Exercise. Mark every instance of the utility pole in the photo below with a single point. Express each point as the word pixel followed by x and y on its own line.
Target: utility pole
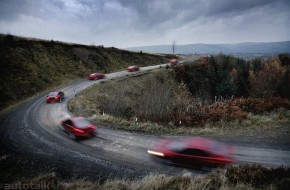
pixel 173 47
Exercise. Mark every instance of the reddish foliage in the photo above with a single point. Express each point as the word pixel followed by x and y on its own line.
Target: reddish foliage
pixel 217 112
pixel 256 106
pixel 229 110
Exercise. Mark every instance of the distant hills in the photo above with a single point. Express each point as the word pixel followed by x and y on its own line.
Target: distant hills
pixel 239 48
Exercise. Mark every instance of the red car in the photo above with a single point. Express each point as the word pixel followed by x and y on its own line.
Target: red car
pixel 174 62
pixel 96 76
pixel 57 96
pixel 77 127
pixel 133 68
pixel 193 151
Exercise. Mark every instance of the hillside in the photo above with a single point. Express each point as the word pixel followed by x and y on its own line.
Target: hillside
pixel 239 48
pixel 29 66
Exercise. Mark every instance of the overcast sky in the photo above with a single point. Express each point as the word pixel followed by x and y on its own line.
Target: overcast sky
pixel 127 23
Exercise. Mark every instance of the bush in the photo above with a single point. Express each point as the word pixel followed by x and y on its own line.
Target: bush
pixel 258 176
pixel 155 101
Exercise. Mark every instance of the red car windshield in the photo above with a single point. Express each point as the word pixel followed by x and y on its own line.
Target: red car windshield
pixel 53 94
pixel 219 148
pixel 177 145
pixel 82 123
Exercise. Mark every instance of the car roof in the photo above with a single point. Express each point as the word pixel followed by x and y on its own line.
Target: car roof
pixel 199 142
pixel 77 118
pixel 194 143
pixel 53 93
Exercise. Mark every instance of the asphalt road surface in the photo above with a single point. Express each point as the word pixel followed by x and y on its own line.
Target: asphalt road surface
pixel 33 128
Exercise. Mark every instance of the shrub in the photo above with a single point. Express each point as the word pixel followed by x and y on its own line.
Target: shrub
pixel 255 175
pixel 258 176
pixel 155 100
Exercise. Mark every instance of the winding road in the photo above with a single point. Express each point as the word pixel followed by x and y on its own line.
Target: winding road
pixel 33 128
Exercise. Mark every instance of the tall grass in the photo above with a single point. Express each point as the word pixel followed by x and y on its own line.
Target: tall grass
pixel 239 177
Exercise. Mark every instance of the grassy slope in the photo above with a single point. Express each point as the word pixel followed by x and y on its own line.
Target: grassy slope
pixel 28 66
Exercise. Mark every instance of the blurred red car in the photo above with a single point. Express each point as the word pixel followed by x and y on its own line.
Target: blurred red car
pixel 133 68
pixel 57 96
pixel 77 127
pixel 193 151
pixel 96 76
pixel 173 61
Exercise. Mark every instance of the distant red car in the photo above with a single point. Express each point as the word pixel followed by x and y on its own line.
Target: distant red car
pixel 133 68
pixel 173 61
pixel 57 96
pixel 193 151
pixel 96 76
pixel 77 127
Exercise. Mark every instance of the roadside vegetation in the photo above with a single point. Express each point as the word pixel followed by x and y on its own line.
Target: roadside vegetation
pixel 220 91
pixel 235 177
pixel 29 66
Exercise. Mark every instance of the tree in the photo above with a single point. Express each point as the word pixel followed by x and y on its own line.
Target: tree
pixel 284 59
pixel 271 79
pixel 257 65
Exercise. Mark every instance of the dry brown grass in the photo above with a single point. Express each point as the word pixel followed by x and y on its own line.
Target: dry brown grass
pixel 235 177
pixel 267 122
